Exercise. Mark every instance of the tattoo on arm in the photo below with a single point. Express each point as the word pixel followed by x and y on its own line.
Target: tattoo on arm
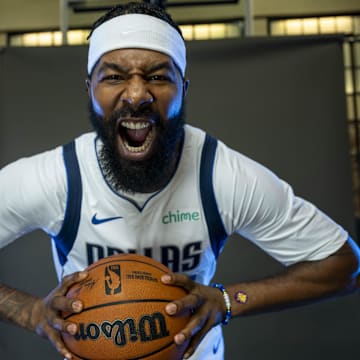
pixel 16 307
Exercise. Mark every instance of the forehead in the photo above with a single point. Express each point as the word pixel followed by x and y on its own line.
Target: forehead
pixel 136 58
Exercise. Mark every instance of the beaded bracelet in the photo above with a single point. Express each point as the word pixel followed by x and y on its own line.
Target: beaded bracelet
pixel 227 302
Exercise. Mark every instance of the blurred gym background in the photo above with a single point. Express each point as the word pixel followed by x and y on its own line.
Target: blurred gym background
pixel 291 70
pixel 67 22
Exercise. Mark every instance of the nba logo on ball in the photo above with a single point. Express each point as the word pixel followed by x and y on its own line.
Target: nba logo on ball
pixel 112 279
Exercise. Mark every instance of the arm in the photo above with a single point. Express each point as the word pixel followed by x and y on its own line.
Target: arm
pixel 42 315
pixel 300 283
pixel 36 200
pixel 255 203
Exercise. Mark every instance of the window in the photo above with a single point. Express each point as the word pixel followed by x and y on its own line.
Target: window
pixel 48 38
pixel 79 37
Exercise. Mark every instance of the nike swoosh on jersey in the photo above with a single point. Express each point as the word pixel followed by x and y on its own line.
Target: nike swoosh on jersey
pixel 96 221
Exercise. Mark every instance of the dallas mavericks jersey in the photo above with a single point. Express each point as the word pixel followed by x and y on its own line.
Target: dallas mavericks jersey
pixel 169 225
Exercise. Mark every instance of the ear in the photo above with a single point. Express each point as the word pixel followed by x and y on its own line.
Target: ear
pixel 186 84
pixel 88 86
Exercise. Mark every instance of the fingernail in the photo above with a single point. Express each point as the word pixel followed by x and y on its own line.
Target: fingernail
pixel 71 329
pixel 76 306
pixel 179 339
pixel 83 274
pixel 166 278
pixel 171 308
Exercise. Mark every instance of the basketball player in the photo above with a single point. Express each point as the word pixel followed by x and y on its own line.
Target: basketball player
pixel 145 182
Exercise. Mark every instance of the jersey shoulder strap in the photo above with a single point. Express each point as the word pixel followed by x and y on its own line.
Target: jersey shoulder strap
pixel 65 239
pixel 217 232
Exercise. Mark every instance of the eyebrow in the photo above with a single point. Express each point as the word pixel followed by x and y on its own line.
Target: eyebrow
pixel 152 68
pixel 109 65
pixel 160 66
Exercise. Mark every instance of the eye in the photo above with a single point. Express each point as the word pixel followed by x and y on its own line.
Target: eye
pixel 113 78
pixel 159 78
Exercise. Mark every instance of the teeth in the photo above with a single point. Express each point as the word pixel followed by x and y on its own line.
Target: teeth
pixel 135 125
pixel 143 147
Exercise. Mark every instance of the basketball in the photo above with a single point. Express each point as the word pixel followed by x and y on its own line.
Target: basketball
pixel 124 312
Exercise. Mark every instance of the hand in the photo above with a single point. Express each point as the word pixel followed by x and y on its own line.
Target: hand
pixel 206 304
pixel 46 314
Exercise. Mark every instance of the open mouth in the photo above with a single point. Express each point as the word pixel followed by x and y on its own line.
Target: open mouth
pixel 136 135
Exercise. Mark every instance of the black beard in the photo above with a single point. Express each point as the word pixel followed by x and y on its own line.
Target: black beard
pixel 139 176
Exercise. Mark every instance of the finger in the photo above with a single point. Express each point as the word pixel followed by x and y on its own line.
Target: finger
pixel 194 333
pixel 70 280
pixel 195 341
pixel 188 303
pixel 76 358
pixel 181 280
pixel 55 338
pixel 57 299
pixel 193 327
pixel 65 304
pixel 62 325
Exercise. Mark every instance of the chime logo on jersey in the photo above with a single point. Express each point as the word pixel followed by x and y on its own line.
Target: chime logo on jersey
pixel 112 280
pixel 178 216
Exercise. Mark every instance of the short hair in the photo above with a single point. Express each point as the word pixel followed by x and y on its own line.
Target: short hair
pixel 144 8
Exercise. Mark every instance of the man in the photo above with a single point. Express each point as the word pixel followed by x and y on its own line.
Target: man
pixel 146 183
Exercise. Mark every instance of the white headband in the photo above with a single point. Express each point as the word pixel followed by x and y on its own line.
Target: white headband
pixel 137 31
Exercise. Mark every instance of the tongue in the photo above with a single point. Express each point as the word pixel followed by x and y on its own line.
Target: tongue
pixel 137 137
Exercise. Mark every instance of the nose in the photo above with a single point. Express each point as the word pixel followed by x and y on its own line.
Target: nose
pixel 136 93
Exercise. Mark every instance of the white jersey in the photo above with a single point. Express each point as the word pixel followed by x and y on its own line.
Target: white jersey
pixel 214 192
